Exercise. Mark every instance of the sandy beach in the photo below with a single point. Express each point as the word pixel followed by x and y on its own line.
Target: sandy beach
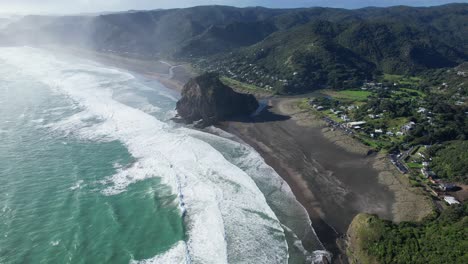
pixel 334 176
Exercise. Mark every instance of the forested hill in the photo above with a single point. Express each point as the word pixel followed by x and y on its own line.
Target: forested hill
pixel 293 50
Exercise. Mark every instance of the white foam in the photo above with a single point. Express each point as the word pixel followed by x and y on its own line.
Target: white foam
pixel 150 109
pixel 175 255
pixel 77 185
pixel 227 216
pixel 38 121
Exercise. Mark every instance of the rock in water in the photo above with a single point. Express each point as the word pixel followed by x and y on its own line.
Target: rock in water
pixel 207 99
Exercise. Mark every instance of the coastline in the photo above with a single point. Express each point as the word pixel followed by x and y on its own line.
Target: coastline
pixel 331 174
pixel 334 176
pixel 411 204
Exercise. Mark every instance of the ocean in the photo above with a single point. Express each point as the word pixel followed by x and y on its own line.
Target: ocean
pixel 93 170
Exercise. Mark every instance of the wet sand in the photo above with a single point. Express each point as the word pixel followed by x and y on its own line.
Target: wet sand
pixel 333 184
pixel 334 176
pixel 330 173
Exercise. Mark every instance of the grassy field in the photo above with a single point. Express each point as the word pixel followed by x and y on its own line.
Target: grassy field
pixel 332 116
pixel 413 165
pixel 403 80
pixel 348 95
pixel 243 86
pixel 421 94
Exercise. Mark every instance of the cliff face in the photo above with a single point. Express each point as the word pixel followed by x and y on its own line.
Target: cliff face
pixel 207 99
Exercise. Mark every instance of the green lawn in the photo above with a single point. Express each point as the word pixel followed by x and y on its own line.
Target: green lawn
pixel 421 94
pixel 332 116
pixel 403 80
pixel 349 95
pixel 413 165
pixel 241 86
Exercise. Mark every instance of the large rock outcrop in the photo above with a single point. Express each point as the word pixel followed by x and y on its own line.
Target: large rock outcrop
pixel 206 99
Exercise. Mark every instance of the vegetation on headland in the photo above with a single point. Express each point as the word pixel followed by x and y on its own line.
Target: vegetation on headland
pixel 441 238
pixel 450 161
pixel 245 87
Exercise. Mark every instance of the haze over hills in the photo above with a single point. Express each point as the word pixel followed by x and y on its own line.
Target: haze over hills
pixel 292 50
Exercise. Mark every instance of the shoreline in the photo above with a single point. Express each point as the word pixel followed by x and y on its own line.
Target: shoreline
pixel 411 204
pixel 358 181
pixel 315 182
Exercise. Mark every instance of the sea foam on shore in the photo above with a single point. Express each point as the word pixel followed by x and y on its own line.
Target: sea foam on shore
pixel 228 218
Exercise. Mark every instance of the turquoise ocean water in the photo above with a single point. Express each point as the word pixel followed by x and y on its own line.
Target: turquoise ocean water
pixel 92 170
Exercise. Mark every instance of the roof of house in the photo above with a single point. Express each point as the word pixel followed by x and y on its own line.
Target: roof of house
pixel 451 200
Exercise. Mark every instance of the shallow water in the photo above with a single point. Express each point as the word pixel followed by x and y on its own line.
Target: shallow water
pixel 92 170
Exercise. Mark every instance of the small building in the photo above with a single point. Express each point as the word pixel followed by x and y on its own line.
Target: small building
pixel 353 124
pixel 345 118
pixel 447 187
pixel 407 127
pixel 390 133
pixel 399 133
pixel 425 164
pixel 434 180
pixel 428 173
pixel 451 200
pixel 378 131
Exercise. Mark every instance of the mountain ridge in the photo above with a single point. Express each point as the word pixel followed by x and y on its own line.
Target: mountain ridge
pixel 349 45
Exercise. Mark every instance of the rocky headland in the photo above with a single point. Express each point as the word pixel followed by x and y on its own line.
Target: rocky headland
pixel 206 100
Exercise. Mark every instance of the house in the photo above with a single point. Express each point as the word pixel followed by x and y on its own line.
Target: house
pixel 447 186
pixel 433 180
pixel 428 173
pixel 345 118
pixel 379 131
pixel 353 124
pixel 451 200
pixel 407 127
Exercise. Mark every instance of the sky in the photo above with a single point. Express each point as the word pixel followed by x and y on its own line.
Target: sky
pixel 91 6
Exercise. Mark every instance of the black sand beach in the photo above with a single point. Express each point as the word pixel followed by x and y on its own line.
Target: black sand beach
pixel 331 174
pixel 333 185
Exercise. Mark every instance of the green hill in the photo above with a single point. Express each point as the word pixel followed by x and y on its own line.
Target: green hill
pixel 291 50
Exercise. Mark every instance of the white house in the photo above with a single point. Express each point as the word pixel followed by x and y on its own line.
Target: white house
pixel 451 200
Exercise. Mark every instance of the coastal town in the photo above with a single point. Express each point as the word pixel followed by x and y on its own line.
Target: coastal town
pixel 359 114
pixel 393 114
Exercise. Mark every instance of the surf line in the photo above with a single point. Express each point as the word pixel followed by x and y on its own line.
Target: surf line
pixel 182 208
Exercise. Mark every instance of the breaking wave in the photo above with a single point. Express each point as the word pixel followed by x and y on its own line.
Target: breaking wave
pixel 216 180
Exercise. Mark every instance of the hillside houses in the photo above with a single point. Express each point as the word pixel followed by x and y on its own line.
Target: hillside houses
pixel 407 127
